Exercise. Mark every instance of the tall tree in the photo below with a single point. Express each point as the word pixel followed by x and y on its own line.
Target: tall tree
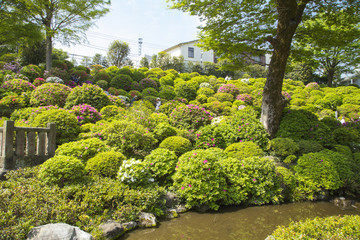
pixel 144 62
pixel 234 28
pixel 100 60
pixel 118 53
pixel 65 20
pixel 331 42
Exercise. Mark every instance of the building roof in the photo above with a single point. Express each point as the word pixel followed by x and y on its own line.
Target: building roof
pixel 179 45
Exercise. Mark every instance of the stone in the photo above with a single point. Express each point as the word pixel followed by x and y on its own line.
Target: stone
pixel 130 225
pixel 171 200
pixel 181 208
pixel 58 231
pixel 171 213
pixel 147 220
pixel 112 230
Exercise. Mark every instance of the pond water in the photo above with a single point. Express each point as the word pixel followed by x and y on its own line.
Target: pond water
pixel 237 223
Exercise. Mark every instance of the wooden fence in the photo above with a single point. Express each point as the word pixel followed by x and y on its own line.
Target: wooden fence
pixel 25 146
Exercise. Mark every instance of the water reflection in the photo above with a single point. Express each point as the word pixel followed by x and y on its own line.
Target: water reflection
pixel 237 223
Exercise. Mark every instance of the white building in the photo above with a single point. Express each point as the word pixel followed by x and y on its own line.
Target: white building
pixel 191 52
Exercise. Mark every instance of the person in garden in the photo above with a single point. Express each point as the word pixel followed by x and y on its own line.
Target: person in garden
pixel 158 104
pixel 133 100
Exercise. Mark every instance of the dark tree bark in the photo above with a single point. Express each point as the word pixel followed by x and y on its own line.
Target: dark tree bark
pixel 289 17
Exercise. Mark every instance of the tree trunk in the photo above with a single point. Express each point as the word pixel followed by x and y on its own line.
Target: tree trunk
pixel 48 51
pixel 330 77
pixel 289 17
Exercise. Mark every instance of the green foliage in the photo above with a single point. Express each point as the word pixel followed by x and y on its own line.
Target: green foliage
pixel 283 147
pixel 308 146
pixel 67 126
pixel 169 106
pixel 121 81
pixel 205 185
pixel 109 112
pixel 147 83
pixel 190 117
pixel 61 170
pixel 102 75
pixel 163 130
pixel 229 88
pixel 167 80
pixel 150 92
pixel 205 91
pixel 167 92
pixel 50 94
pixel 17 86
pixel 12 102
pixel 85 114
pixel 31 71
pixel 130 138
pixel 252 180
pixel 346 136
pixel 243 150
pixel 82 149
pixel 349 110
pixel 222 97
pixel 334 227
pixel 118 52
pixel 87 94
pixel 134 173
pixel 179 145
pixel 161 163
pixel 185 90
pixel 105 164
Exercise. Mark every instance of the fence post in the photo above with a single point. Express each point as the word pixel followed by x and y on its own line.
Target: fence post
pixel 8 145
pixel 51 139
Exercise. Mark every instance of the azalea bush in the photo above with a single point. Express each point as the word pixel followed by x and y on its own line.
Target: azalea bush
pixel 190 117
pixel 134 173
pixel 86 114
pixel 31 71
pixel 178 144
pixel 50 94
pixel 244 150
pixel 17 86
pixel 105 164
pixel 229 88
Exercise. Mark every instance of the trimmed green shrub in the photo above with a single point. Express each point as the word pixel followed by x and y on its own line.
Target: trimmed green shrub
pixel 61 170
pixel 109 112
pixel 121 81
pixel 177 144
pixel 87 94
pixel 82 149
pixel 67 127
pixel 10 103
pixel 163 130
pixel 169 106
pixel 102 75
pixel 17 86
pixel 161 163
pixel 167 92
pixel 205 185
pixel 167 80
pixel 252 180
pixel 130 138
pixel 346 136
pixel 222 97
pixel 185 90
pixel 208 92
pixel 308 146
pixel 105 164
pixel 283 147
pixel 134 173
pixel 244 150
pixel 147 83
pixel 50 94
pixel 85 114
pixel 334 227
pixel 31 71
pixel 229 88
pixel 189 117
pixel 102 83
pixel 150 92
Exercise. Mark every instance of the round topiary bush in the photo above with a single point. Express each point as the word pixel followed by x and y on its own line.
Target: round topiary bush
pixel 102 83
pixel 167 80
pixel 85 114
pixel 105 164
pixel 87 94
pixel 61 170
pixel 244 150
pixel 177 144
pixel 222 97
pixel 190 117
pixel 161 163
pixel 150 92
pixel 147 83
pixel 185 90
pixel 11 102
pixel 67 127
pixel 134 173
pixel 102 75
pixel 132 139
pixel 334 227
pixel 169 106
pixel 283 147
pixel 17 86
pixel 50 94
pixel 308 146
pixel 246 98
pixel 121 81
pixel 167 92
pixel 109 112
pixel 31 71
pixel 205 91
pixel 83 149
pixel 206 185
pixel 229 88
pixel 163 130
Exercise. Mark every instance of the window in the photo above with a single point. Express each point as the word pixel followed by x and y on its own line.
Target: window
pixel 190 52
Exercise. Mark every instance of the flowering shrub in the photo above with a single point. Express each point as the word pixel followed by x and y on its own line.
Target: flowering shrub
pixel 130 138
pixel 17 86
pixel 205 185
pixel 121 81
pixel 150 92
pixel 286 95
pixel 105 164
pixel 313 86
pixel 134 173
pixel 167 80
pixel 10 103
pixel 71 84
pixel 56 72
pixel 229 88
pixel 222 97
pixel 189 117
pixel 67 126
pixel 87 94
pixel 246 98
pixel 179 145
pixel 205 85
pixel 61 170
pixel 54 80
pixel 244 150
pixel 334 227
pixel 169 106
pixel 31 71
pixel 82 149
pixel 12 66
pixel 252 180
pixel 161 163
pixel 85 114
pixel 39 81
pixel 218 108
pixel 147 83
pixel 50 94
pixel 102 75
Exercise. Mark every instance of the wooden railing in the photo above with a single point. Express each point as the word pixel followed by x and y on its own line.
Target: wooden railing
pixel 25 146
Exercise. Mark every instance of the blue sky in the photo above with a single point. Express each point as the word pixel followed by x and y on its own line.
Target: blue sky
pixel 159 26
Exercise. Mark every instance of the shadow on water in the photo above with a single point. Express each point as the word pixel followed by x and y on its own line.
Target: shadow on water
pixel 231 223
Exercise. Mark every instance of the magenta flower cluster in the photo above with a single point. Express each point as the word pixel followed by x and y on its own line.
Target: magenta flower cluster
pixel 245 98
pixel 86 114
pixel 286 95
pixel 18 86
pixel 313 85
pixel 229 88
